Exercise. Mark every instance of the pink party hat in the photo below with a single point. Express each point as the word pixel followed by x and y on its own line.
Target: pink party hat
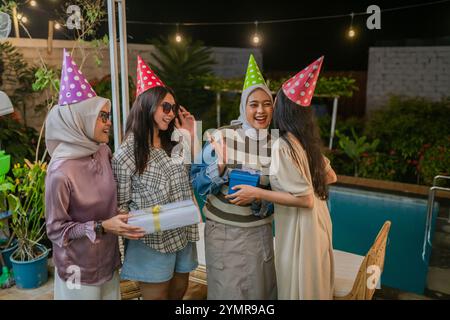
pixel 73 87
pixel 300 88
pixel 146 78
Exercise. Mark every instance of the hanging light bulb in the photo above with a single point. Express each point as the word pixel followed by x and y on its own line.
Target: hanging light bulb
pixel 351 32
pixel 24 19
pixel 57 26
pixel 19 16
pixel 33 3
pixel 178 37
pixel 256 39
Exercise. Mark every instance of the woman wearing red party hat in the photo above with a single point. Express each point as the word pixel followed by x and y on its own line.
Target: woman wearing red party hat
pixel 147 176
pixel 299 177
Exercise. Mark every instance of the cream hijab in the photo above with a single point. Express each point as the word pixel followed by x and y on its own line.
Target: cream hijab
pixel 70 129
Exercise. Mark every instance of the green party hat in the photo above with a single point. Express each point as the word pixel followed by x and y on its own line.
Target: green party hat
pixel 253 76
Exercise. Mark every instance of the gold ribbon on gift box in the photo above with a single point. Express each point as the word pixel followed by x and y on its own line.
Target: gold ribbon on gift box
pixel 156 219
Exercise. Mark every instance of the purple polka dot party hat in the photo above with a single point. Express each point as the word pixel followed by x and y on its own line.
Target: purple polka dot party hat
pixel 74 87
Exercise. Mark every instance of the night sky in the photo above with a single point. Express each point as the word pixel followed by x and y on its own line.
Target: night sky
pixel 285 46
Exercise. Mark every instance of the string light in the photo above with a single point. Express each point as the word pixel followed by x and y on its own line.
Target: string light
pixel 351 31
pixel 313 18
pixel 19 16
pixel 24 19
pixel 178 37
pixel 57 26
pixel 33 3
pixel 256 39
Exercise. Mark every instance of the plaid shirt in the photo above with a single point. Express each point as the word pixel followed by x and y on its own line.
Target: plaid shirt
pixel 164 180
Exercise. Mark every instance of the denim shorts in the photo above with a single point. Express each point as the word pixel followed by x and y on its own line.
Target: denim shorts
pixel 145 264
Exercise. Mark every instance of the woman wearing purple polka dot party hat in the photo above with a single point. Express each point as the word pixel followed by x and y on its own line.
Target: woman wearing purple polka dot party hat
pixel 81 208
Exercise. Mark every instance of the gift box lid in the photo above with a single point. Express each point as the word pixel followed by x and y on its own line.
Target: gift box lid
pixel 238 176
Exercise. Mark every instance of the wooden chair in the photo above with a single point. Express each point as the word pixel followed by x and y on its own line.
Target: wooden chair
pixel 352 272
pixel 197 288
pixel 129 290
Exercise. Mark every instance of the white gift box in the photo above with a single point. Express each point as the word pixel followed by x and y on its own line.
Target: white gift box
pixel 170 216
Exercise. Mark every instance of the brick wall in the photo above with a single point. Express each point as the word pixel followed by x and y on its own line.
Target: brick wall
pixel 409 71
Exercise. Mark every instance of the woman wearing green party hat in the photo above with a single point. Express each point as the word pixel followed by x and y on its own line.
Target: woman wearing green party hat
pixel 238 232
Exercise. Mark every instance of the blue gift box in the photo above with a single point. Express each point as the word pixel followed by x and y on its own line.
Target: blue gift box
pixel 238 176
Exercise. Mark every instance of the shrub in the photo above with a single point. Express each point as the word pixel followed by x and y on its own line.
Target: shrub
pixel 17 140
pixel 343 126
pixel 355 148
pixel 405 125
pixel 381 166
pixel 435 161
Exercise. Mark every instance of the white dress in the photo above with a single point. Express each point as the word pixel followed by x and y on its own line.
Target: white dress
pixel 303 237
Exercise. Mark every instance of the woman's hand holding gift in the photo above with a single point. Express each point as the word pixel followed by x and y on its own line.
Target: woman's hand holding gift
pixel 118 226
pixel 245 195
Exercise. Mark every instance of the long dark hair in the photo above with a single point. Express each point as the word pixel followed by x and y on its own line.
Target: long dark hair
pixel 140 122
pixel 289 117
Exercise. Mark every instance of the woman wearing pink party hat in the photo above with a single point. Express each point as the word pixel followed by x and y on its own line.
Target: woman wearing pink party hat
pixel 80 193
pixel 146 176
pixel 299 176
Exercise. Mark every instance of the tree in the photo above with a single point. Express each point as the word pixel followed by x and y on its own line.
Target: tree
pixel 184 66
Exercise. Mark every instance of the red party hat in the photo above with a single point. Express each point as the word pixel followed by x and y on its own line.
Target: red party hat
pixel 146 78
pixel 300 88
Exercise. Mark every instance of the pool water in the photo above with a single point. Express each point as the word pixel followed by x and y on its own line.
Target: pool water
pixel 357 217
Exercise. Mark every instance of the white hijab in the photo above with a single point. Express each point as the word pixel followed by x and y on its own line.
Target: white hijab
pixel 70 129
pixel 248 129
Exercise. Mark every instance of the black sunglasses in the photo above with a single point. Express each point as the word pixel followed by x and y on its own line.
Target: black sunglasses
pixel 167 107
pixel 105 116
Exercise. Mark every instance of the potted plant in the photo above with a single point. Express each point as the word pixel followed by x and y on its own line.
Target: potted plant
pixel 7 245
pixel 27 205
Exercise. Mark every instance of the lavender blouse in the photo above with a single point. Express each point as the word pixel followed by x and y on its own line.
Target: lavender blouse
pixel 78 193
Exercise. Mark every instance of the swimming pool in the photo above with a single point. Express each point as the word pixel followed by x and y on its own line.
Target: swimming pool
pixel 358 215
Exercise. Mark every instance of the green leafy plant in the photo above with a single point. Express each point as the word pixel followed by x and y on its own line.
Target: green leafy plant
pixel 406 125
pixel 28 207
pixel 92 12
pixel 340 162
pixel 344 126
pixel 103 87
pixel 355 148
pixel 6 186
pixel 17 140
pixel 45 78
pixel 435 161
pixel 17 77
pixel 381 166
